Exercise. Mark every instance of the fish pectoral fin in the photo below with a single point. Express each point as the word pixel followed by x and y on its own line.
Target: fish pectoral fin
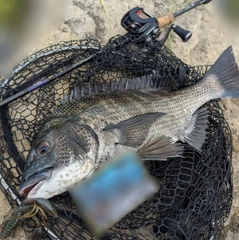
pixel 160 148
pixel 133 131
pixel 198 134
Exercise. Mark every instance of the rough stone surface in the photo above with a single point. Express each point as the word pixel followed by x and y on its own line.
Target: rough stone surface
pixel 87 18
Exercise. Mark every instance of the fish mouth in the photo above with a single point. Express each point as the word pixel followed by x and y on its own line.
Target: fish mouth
pixel 34 182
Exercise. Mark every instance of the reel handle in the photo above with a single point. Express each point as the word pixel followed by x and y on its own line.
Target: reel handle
pixel 184 34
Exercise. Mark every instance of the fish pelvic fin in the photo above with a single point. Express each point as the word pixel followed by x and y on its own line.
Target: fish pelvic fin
pixel 160 148
pixel 226 72
pixel 197 133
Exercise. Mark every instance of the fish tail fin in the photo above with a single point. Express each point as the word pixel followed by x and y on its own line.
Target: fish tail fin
pixel 225 69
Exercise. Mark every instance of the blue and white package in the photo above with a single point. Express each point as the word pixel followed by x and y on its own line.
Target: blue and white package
pixel 114 190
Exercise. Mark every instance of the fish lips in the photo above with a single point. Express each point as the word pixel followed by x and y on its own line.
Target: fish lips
pixel 34 182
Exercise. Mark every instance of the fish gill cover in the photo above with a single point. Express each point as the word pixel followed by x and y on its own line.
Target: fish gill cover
pixel 195 193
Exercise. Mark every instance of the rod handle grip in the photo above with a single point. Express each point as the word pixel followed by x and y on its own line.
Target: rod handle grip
pixel 165 20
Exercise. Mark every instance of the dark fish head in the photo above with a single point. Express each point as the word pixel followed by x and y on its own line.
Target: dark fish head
pixel 63 153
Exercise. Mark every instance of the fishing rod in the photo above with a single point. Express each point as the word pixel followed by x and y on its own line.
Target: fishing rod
pixel 45 81
pixel 196 4
pixel 136 21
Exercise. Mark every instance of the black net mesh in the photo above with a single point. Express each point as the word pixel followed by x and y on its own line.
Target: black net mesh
pixel 195 193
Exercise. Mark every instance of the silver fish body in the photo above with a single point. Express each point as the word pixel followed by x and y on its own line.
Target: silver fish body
pixel 84 133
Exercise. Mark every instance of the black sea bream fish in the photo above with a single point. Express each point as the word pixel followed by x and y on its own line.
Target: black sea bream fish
pixel 84 133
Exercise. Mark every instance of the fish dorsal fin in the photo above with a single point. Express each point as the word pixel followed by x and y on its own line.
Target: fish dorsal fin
pixel 143 82
pixel 160 148
pixel 137 83
pixel 132 132
pixel 197 135
pixel 166 82
pixel 149 82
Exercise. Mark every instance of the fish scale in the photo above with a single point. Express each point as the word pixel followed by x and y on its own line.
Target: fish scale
pixel 87 131
pixel 119 106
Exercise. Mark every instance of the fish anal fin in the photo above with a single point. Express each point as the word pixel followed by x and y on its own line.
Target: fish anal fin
pixel 133 131
pixel 160 148
pixel 197 129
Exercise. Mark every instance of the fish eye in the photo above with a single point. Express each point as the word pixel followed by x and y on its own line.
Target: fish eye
pixel 43 148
